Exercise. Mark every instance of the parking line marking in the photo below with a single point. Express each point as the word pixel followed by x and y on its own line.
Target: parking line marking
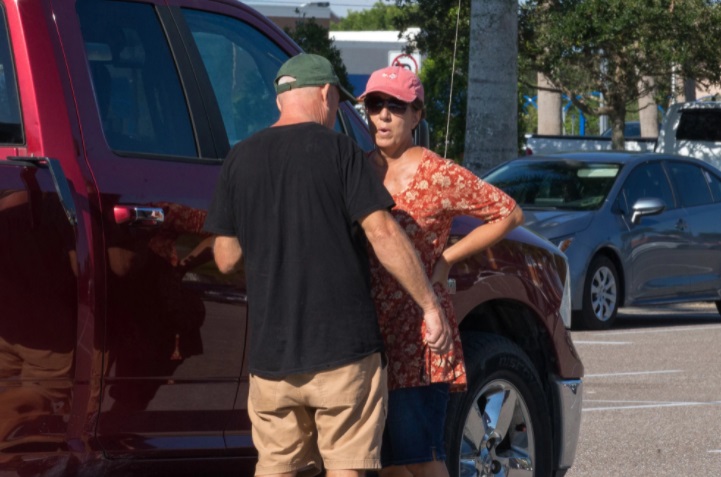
pixel 652 406
pixel 715 451
pixel 627 400
pixel 634 373
pixel 602 342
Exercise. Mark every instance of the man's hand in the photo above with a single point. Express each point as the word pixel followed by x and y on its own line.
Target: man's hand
pixel 439 336
pixel 397 254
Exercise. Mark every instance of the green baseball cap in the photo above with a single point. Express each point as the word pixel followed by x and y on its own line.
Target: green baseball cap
pixel 309 70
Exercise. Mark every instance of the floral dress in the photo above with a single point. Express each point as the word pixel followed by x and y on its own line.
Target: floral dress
pixel 439 191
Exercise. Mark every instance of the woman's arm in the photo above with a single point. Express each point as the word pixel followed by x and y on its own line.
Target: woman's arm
pixel 479 239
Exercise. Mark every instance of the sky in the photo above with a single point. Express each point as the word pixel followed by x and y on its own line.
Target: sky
pixel 339 7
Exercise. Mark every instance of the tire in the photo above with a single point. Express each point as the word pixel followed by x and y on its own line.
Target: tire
pixel 502 422
pixel 718 306
pixel 600 295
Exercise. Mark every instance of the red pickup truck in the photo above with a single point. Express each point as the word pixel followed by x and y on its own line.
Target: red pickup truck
pixel 121 345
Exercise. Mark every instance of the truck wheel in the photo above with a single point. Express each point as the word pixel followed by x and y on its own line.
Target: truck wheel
pixel 501 425
pixel 600 295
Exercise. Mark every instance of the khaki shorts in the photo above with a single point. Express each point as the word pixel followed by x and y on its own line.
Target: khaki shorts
pixel 332 419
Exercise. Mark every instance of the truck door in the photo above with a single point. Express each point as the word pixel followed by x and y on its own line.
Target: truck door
pixel 38 294
pixel 240 58
pixel 175 327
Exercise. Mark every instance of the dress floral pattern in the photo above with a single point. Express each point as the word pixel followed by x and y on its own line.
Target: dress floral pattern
pixel 439 191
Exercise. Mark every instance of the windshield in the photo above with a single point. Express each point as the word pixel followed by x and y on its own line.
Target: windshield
pixel 572 185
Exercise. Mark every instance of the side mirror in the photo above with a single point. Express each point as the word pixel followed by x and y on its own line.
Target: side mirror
pixel 421 134
pixel 646 206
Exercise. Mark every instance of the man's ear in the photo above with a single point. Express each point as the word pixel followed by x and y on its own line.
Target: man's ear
pixel 325 91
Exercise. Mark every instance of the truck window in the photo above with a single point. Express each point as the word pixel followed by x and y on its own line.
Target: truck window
pixel 241 63
pixel 10 124
pixel 357 130
pixel 699 125
pixel 139 96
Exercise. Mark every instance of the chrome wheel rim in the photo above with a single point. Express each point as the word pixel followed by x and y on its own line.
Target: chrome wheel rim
pixel 603 294
pixel 498 434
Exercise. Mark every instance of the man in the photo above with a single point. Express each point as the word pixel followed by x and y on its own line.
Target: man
pixel 293 202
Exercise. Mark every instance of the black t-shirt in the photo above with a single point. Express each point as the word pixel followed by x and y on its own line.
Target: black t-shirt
pixel 293 196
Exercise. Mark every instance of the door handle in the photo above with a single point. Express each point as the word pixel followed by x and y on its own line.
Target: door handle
pixel 132 214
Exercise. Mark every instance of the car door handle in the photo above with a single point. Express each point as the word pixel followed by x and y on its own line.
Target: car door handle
pixel 132 214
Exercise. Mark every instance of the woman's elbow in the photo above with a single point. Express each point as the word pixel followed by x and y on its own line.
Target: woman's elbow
pixel 517 217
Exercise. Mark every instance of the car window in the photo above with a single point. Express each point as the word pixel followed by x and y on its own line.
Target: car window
pixel 690 184
pixel 241 63
pixel 140 100
pixel 10 123
pixel 714 183
pixel 647 181
pixel 567 184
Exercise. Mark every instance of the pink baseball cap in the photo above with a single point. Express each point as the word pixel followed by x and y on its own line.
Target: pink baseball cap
pixel 395 81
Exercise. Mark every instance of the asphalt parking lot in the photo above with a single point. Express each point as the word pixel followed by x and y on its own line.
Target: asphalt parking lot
pixel 652 394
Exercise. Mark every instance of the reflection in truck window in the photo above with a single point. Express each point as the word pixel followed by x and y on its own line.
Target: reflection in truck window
pixel 140 101
pixel 10 123
pixel 241 63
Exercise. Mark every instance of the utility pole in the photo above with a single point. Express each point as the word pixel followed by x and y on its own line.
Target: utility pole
pixel 492 110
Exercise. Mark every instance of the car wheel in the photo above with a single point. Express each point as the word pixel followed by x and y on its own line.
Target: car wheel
pixel 501 425
pixel 600 295
pixel 718 306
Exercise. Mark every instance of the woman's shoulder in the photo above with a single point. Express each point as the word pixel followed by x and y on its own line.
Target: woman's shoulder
pixel 437 163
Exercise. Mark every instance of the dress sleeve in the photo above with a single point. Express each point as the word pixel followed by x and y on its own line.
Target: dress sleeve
pixel 468 194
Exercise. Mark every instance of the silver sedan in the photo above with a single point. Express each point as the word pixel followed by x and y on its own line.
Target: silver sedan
pixel 637 228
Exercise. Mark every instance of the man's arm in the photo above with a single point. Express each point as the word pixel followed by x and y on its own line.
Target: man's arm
pixel 397 254
pixel 227 253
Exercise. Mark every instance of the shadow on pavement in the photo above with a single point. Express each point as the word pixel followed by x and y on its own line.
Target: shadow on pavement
pixel 683 314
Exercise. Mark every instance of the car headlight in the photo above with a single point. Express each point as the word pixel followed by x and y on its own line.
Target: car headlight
pixel 566 300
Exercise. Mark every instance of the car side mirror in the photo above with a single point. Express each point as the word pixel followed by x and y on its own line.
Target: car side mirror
pixel 646 206
pixel 421 134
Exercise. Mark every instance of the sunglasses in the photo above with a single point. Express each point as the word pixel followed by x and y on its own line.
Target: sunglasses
pixel 375 104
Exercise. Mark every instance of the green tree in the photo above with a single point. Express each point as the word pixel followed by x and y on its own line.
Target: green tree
pixel 313 38
pixel 437 41
pixel 610 46
pixel 381 16
pixel 437 21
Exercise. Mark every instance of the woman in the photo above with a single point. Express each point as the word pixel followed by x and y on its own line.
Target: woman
pixel 429 192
